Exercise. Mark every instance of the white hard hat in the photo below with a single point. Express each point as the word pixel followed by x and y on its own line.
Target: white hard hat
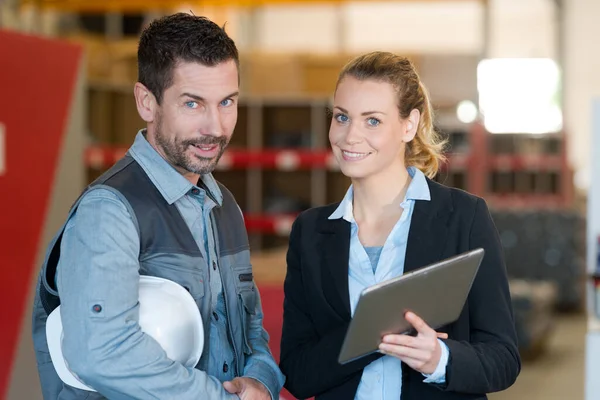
pixel 168 313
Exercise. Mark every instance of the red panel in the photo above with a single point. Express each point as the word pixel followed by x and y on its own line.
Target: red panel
pixel 37 78
pixel 279 224
pixel 102 157
pixel 272 303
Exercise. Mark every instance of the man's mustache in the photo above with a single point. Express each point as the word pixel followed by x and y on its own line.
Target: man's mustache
pixel 220 140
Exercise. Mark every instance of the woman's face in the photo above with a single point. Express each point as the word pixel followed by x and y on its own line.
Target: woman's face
pixel 367 134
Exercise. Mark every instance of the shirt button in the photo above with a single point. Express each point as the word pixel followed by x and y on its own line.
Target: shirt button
pixel 97 308
pixel 225 367
pixel 195 191
pixel 214 265
pixel 216 316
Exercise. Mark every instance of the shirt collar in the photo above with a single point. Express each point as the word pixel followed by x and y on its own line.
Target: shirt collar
pixel 418 189
pixel 169 182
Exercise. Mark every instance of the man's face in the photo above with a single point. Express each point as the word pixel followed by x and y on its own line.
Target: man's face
pixel 196 118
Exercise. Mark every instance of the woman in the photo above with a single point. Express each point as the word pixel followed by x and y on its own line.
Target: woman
pixel 393 219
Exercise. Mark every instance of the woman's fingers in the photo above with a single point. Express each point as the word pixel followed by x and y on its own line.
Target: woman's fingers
pixel 420 325
pixel 401 352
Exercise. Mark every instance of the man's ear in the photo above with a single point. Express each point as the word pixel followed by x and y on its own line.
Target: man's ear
pixel 411 126
pixel 145 102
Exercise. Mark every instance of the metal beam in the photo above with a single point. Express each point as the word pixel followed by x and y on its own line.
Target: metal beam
pixel 145 5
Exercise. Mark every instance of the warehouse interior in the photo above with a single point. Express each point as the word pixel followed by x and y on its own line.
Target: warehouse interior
pixel 513 85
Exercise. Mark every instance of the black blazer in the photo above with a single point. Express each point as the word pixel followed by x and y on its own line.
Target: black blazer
pixel 483 346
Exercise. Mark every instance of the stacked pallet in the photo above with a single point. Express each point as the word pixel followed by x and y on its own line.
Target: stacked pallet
pixel 546 246
pixel 533 305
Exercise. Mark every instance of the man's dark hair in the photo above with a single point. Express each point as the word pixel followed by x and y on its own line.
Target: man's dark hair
pixel 176 38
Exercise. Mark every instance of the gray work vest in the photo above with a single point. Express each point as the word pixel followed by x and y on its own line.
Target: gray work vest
pixel 167 250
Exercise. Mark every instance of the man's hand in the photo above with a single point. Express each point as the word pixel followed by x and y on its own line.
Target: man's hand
pixel 422 352
pixel 247 388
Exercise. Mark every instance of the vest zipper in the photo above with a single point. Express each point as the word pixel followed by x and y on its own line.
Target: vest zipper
pixel 229 329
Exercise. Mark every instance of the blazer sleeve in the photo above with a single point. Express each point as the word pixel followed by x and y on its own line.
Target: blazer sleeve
pixel 490 361
pixel 309 359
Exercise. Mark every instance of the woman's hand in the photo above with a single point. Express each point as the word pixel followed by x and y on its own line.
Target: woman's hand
pixel 422 352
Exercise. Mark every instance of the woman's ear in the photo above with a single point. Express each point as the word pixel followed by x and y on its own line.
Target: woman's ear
pixel 145 102
pixel 411 124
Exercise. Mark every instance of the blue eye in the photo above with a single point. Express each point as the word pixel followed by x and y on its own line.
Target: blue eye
pixel 342 118
pixel 373 121
pixel 191 104
pixel 226 102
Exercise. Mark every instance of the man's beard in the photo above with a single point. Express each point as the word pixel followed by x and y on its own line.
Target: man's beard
pixel 176 152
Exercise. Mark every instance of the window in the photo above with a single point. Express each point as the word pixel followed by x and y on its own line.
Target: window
pixel 519 95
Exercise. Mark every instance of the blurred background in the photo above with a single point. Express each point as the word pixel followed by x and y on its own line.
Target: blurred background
pixel 513 84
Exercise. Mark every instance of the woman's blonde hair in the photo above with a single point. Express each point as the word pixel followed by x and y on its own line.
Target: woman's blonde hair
pixel 425 151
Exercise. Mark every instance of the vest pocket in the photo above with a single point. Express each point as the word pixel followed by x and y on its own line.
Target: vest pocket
pixel 246 292
pixel 247 301
pixel 248 298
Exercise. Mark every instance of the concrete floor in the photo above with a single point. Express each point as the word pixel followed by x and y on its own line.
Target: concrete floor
pixel 558 374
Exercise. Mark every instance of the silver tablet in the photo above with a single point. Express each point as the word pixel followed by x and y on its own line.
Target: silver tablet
pixel 436 293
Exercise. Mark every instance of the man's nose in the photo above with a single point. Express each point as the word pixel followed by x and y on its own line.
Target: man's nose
pixel 212 125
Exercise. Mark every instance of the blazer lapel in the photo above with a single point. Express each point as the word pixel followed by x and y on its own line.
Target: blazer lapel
pixel 426 242
pixel 428 229
pixel 334 257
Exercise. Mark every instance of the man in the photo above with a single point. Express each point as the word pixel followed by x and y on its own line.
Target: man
pixel 160 212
